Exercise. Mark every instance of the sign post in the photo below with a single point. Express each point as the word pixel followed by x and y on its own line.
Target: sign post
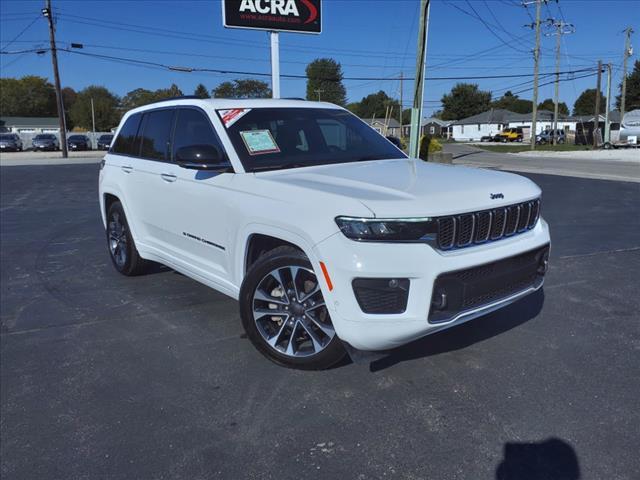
pixel 275 64
pixel 274 16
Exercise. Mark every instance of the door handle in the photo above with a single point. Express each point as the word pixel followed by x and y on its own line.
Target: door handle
pixel 168 177
pixel 127 168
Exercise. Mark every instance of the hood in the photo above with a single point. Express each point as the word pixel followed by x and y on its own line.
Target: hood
pixel 410 188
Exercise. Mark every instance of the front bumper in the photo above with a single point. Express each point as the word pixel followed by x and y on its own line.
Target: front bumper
pixel 347 259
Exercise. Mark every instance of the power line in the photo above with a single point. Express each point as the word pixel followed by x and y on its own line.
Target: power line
pixel 250 73
pixel 486 24
pixel 22 31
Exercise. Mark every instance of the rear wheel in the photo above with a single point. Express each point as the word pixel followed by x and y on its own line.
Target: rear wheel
pixel 284 313
pixel 122 249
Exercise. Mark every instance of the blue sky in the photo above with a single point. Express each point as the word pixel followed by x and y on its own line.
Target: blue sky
pixel 374 38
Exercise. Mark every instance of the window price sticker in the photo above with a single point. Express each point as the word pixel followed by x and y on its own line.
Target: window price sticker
pixel 259 142
pixel 231 116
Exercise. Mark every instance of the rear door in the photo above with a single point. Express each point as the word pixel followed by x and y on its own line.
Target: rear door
pixel 152 179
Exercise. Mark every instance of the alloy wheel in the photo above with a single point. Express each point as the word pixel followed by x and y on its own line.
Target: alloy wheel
pixel 290 313
pixel 118 239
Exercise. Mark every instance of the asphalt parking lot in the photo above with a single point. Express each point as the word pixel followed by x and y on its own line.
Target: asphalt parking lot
pixel 104 376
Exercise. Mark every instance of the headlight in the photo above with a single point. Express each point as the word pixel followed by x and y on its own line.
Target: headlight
pixel 388 230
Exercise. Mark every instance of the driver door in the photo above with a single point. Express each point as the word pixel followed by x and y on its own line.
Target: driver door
pixel 200 206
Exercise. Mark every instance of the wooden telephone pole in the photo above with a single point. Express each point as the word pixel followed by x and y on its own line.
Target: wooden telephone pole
pixel 596 119
pixel 56 76
pixel 627 54
pixel 418 93
pixel 536 62
pixel 562 28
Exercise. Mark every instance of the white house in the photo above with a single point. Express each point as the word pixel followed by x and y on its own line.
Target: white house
pixel 489 123
pixel 391 127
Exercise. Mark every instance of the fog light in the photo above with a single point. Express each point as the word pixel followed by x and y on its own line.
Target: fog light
pixel 544 263
pixel 439 300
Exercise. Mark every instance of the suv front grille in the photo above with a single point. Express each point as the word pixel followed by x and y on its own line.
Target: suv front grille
pixel 459 231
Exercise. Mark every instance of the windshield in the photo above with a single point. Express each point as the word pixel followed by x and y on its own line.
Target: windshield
pixel 77 138
pixel 277 138
pixel 106 138
pixel 44 137
pixel 7 137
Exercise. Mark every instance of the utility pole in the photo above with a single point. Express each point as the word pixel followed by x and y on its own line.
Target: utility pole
pixel 607 107
pixel 47 12
pixel 418 92
pixel 562 28
pixel 536 61
pixel 628 51
pixel 275 64
pixel 318 92
pixel 596 119
pixel 401 107
pixel 93 116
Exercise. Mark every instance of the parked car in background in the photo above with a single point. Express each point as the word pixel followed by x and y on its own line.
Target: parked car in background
pixel 79 142
pixel 547 136
pixel 45 141
pixel 509 135
pixel 10 141
pixel 629 131
pixel 104 142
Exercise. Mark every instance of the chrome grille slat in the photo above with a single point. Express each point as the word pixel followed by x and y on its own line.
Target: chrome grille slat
pixel 463 230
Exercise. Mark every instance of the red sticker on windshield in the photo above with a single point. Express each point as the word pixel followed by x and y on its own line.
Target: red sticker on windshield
pixel 231 116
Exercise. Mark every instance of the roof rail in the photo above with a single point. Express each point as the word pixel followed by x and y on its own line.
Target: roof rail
pixel 182 97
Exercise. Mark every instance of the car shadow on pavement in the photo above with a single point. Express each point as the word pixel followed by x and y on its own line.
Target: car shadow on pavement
pixel 466 334
pixel 551 459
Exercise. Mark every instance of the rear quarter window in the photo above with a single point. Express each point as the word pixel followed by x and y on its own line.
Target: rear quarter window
pixel 156 134
pixel 126 140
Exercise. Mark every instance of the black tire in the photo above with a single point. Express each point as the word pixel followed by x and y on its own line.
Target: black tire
pixel 283 257
pixel 126 258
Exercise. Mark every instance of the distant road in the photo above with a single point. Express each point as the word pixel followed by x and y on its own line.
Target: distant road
pixel 628 171
pixel 14 159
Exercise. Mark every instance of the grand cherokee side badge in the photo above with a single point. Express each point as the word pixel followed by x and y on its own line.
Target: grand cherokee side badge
pixel 495 196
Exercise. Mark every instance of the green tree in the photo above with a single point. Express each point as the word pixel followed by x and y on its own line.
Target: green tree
pixel 105 105
pixel 29 96
pixel 513 103
pixel 548 104
pixel 375 105
pixel 68 99
pixel 247 88
pixel 632 97
pixel 406 116
pixel 324 75
pixel 137 98
pixel 586 103
pixel 142 96
pixel 465 100
pixel 171 92
pixel 201 91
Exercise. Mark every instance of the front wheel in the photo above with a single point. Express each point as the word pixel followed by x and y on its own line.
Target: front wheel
pixel 284 313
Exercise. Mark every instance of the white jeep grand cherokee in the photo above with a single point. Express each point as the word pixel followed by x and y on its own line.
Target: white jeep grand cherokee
pixel 323 230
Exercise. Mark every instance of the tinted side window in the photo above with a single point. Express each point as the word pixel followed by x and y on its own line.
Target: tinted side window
pixel 193 128
pixel 156 135
pixel 125 141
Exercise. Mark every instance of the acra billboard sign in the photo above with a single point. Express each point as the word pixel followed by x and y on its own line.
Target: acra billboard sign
pixel 300 16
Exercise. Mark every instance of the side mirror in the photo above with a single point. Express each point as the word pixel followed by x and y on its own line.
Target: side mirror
pixel 202 157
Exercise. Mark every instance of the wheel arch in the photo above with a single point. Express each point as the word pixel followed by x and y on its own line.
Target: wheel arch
pixel 259 239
